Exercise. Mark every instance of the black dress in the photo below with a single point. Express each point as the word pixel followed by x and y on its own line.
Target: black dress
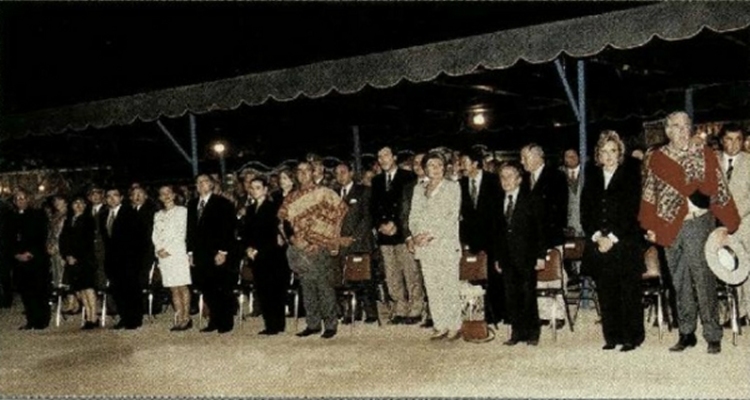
pixel 77 241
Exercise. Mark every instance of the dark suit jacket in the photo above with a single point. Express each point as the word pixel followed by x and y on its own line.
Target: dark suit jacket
pixel 519 244
pixel 214 231
pixel 27 232
pixel 612 210
pixel 120 261
pixel 477 224
pixel 145 227
pixel 357 222
pixel 389 205
pixel 77 240
pixel 552 190
pixel 260 228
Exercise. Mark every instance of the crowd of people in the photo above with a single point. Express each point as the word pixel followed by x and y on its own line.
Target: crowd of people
pixel 414 219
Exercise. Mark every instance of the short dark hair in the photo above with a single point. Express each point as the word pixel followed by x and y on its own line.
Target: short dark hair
pixel 731 127
pixel 260 178
pixel 511 164
pixel 475 155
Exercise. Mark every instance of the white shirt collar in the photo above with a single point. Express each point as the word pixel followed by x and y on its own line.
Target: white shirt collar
pixel 478 178
pixel 537 173
pixel 574 170
pixel 348 187
pixel 608 176
pixel 115 210
pixel 513 194
pixel 206 197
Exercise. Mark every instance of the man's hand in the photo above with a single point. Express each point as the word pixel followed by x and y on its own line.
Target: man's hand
pixel 162 253
pixel 723 236
pixel 71 260
pixel 497 268
pixel 190 259
pixel 540 264
pixel 24 257
pixel 220 258
pixel 605 244
pixel 651 236
pixel 346 241
pixel 251 253
pixel 410 245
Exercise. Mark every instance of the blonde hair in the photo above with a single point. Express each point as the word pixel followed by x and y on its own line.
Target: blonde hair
pixel 610 136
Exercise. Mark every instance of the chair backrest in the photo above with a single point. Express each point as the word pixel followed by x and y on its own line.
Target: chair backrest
pixel 552 268
pixel 653 266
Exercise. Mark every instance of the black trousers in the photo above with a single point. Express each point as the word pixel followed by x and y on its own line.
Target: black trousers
pixel 127 294
pixel 6 282
pixel 217 285
pixel 33 283
pixel 521 303
pixel 495 309
pixel 618 285
pixel 271 284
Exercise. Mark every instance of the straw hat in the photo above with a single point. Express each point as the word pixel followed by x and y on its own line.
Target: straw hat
pixel 730 263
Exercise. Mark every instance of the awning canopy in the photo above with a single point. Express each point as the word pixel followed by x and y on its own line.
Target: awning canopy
pixel 580 37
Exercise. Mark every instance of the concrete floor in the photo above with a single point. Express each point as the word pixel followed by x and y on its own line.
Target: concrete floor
pixel 372 361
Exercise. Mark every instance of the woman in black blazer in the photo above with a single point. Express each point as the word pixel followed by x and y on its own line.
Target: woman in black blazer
pixel 613 255
pixel 77 249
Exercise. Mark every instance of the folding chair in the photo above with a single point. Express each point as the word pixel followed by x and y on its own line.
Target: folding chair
pixel 356 270
pixel 553 272
pixel 654 290
pixel 727 295
pixel 293 291
pixel 584 289
pixel 244 289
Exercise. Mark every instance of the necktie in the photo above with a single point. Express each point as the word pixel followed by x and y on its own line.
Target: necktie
pixel 110 222
pixel 509 208
pixel 201 206
pixel 343 193
pixel 473 192
pixel 730 169
pixel 387 181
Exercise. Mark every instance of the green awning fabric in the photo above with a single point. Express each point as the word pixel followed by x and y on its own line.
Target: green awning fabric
pixel 580 37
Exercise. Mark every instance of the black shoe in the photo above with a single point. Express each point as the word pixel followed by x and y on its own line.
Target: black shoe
pixel 371 320
pixel 119 325
pixel 268 332
pixel 609 346
pixel 532 342
pixel 308 332
pixel 210 328
pixel 329 333
pixel 225 329
pixel 397 320
pixel 132 327
pixel 511 342
pixel 544 322
pixel 90 325
pixel 346 321
pixel 714 347
pixel 627 347
pixel 26 327
pixel 428 323
pixel 411 320
pixel 559 324
pixel 684 342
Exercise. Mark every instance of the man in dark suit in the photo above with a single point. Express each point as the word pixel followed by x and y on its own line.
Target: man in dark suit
pixel 6 275
pixel 549 186
pixel 144 246
pixel 521 251
pixel 357 237
pixel 26 243
pixel 402 275
pixel 210 239
pixel 480 199
pixel 260 244
pixel 121 264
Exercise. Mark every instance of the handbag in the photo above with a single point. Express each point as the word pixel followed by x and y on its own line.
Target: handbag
pixel 473 331
pixel 473 267
pixel 573 248
pixel 357 267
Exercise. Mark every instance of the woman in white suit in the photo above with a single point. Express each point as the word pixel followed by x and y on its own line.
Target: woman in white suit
pixel 433 221
pixel 170 230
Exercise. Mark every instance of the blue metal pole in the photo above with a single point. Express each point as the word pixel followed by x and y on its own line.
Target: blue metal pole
pixel 582 132
pixel 689 109
pixel 357 151
pixel 568 90
pixel 194 145
pixel 174 141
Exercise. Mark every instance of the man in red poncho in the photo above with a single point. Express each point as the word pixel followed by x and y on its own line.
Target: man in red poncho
pixel 684 191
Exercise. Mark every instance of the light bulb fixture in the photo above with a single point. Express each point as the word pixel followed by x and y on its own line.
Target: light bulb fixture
pixel 478 119
pixel 219 148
